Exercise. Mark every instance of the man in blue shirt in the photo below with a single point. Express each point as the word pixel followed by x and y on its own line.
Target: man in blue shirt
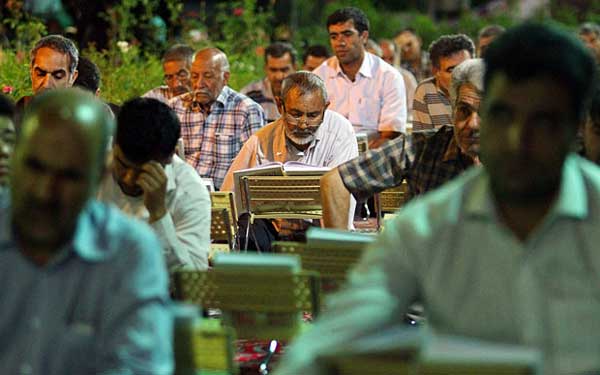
pixel 84 288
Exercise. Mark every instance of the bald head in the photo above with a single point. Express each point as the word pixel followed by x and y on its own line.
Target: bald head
pixel 210 73
pixel 57 166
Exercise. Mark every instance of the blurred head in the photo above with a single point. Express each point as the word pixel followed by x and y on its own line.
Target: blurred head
pixel 88 77
pixel 176 63
pixel 589 34
pixel 147 130
pixel 348 33
pixel 446 53
pixel 54 61
pixel 302 105
pixel 465 94
pixel 8 137
pixel 388 51
pixel 57 165
pixel 373 47
pixel 210 73
pixel 314 56
pixel 280 62
pixel 486 36
pixel 409 45
pixel 533 105
pixel 591 130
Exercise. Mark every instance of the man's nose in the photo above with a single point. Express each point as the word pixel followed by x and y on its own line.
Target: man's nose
pixel 474 121
pixel 45 187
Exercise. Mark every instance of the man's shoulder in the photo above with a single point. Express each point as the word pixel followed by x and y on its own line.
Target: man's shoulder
pixel 107 231
pixel 238 100
pixel 328 68
pixel 254 86
pixel 334 122
pixel 427 85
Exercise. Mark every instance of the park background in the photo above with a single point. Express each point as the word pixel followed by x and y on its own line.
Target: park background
pixel 127 38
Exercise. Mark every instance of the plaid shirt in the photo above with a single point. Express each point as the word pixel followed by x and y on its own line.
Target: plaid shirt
pixel 213 140
pixel 431 107
pixel 377 169
pixel 438 160
pixel 426 160
pixel 161 93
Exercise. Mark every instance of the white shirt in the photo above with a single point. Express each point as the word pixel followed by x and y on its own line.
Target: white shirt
pixel 476 279
pixel 375 100
pixel 185 230
pixel 334 144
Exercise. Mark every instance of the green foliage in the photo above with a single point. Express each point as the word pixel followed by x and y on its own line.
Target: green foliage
pixel 14 74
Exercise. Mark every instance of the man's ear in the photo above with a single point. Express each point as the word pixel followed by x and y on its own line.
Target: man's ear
pixel 364 36
pixel 326 105
pixel 74 76
pixel 226 77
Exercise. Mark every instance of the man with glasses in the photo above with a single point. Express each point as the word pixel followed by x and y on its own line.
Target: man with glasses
pixel 306 132
pixel 176 62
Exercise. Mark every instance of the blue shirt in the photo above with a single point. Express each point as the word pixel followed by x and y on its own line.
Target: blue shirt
pixel 99 306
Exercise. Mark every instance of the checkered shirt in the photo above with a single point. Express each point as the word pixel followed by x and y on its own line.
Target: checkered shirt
pixel 431 107
pixel 438 160
pixel 213 140
pixel 377 169
pixel 426 160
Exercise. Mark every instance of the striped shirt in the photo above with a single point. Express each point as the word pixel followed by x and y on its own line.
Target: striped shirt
pixel 213 140
pixel 431 107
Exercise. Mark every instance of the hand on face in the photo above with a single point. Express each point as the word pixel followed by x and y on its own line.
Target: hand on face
pixel 153 181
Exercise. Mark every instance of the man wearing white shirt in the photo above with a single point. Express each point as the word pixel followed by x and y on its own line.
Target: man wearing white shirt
pixel 150 182
pixel 361 86
pixel 306 132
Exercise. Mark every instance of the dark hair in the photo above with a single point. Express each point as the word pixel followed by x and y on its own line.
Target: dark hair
pixel 490 30
pixel 7 107
pixel 179 52
pixel 61 44
pixel 358 17
pixel 448 45
pixel 534 50
pixel 279 49
pixel 88 77
pixel 406 30
pixel 147 129
pixel 316 50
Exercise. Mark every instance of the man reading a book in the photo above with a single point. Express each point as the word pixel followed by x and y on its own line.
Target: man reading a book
pixel 306 132
pixel 507 252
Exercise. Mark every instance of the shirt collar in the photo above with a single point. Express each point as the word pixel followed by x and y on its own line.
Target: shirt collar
pixel 572 198
pixel 452 151
pixel 223 95
pixel 366 68
pixel 84 243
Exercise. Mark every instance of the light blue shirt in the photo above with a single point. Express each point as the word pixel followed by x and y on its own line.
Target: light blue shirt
pixel 100 306
pixel 475 278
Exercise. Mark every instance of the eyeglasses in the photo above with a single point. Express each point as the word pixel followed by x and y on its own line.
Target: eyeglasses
pixel 311 119
pixel 182 74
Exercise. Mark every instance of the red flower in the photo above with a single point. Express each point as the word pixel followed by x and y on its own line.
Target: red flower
pixel 238 12
pixel 7 89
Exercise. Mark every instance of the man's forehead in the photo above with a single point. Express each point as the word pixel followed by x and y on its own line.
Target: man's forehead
pixel 281 61
pixel 341 27
pixel 50 58
pixel 206 64
pixel 175 65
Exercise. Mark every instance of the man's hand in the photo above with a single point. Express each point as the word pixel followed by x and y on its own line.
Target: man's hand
pixel 153 182
pixel 382 137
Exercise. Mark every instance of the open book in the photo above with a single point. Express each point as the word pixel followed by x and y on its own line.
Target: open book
pixel 290 168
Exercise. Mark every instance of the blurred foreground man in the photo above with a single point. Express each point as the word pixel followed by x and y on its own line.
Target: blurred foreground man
pixel 506 252
pixel 84 288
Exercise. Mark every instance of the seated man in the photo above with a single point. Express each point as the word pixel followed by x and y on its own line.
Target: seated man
pixel 507 252
pixel 390 56
pixel 176 63
pixel 8 138
pixel 89 78
pixel 215 120
pixel 412 57
pixel 306 132
pixel 431 105
pixel 150 182
pixel 314 56
pixel 85 288
pixel 280 62
pixel 426 163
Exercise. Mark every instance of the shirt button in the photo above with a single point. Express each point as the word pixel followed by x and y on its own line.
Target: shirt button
pixel 26 369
